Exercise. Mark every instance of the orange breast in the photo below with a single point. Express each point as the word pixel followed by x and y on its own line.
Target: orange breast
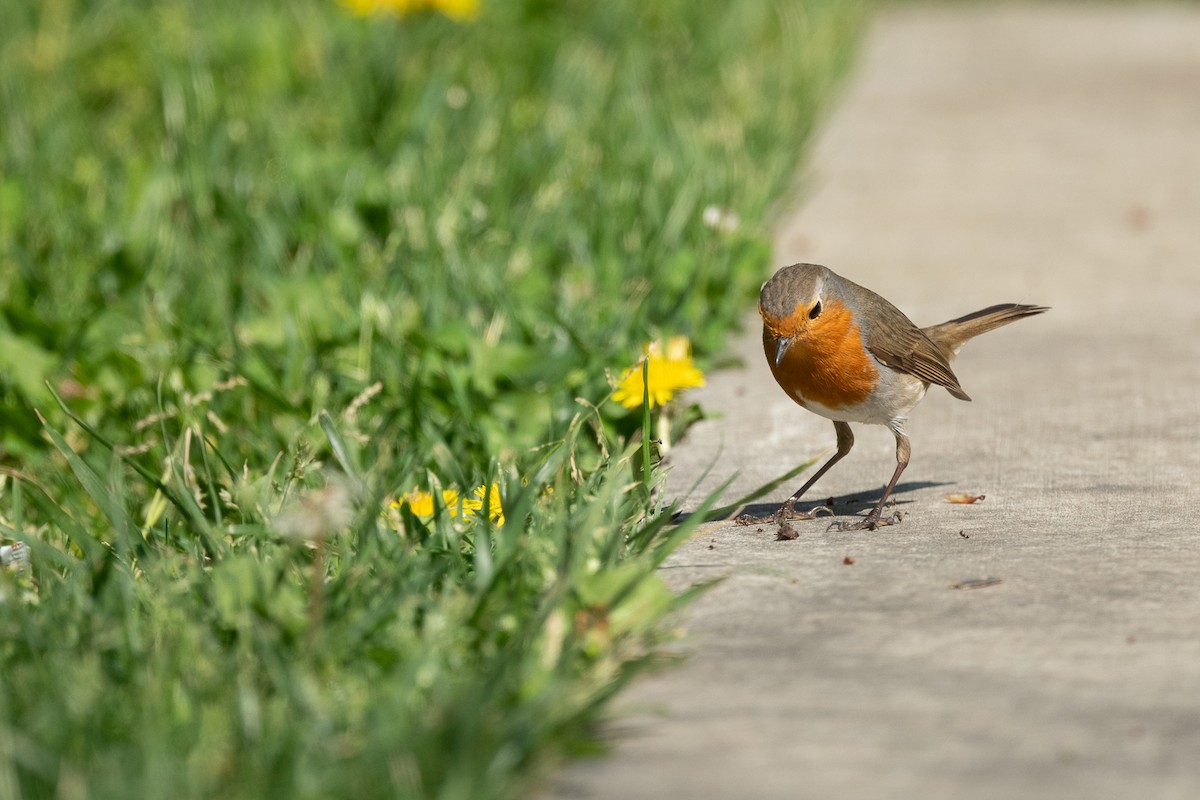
pixel 827 362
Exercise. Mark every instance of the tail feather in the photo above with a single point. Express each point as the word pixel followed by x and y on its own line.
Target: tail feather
pixel 950 336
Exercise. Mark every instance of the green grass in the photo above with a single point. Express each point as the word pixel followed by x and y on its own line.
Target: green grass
pixel 265 267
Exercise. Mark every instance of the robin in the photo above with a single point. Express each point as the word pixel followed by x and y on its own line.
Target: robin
pixel 845 353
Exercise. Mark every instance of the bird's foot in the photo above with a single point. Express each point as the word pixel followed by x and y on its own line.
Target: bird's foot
pixel 869 523
pixel 786 513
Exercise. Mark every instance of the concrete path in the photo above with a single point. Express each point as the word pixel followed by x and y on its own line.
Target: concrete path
pixel 1045 154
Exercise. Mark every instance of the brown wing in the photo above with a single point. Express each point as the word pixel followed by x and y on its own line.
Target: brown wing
pixel 901 345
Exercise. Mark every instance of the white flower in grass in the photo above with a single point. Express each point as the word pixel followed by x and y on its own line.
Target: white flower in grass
pixel 721 219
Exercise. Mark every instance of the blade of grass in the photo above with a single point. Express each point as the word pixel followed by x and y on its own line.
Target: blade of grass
pixel 92 484
pixel 138 468
pixel 208 477
pixel 726 510
pixel 337 444
pixel 646 431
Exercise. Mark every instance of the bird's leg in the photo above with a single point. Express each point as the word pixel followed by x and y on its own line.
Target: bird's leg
pixel 845 441
pixel 876 518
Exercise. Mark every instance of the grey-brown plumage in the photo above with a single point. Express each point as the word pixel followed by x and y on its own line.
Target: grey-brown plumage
pixel 842 351
pixel 891 336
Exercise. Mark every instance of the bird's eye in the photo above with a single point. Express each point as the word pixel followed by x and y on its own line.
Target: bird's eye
pixel 816 310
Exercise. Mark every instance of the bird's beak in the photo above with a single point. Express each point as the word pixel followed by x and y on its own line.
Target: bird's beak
pixel 781 347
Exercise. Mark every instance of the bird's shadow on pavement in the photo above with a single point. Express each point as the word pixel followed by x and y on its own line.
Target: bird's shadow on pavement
pixel 843 505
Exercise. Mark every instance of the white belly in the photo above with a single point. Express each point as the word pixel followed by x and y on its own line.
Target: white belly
pixel 895 396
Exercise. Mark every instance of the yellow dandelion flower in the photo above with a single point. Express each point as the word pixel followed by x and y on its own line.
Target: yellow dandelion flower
pixel 671 370
pixel 474 504
pixel 461 10
pixel 421 503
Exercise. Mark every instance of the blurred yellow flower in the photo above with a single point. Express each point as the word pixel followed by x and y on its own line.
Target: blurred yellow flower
pixel 421 503
pixel 475 504
pixel 671 370
pixel 460 10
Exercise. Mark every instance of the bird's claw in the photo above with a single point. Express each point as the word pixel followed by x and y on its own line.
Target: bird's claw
pixel 869 523
pixel 789 512
pixel 786 513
